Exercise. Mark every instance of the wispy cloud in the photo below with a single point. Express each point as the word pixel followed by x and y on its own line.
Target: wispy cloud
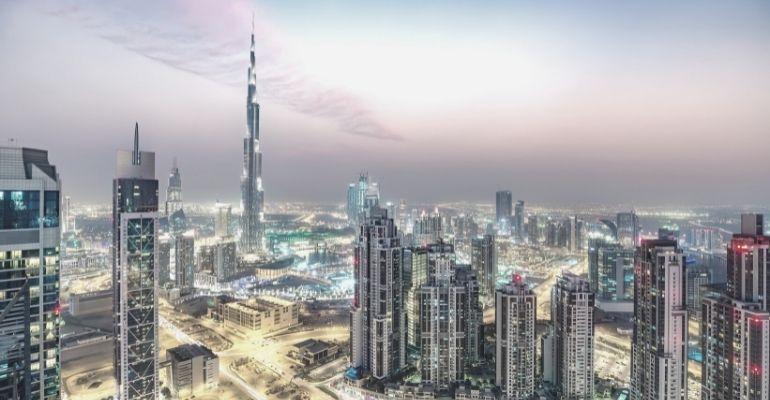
pixel 208 38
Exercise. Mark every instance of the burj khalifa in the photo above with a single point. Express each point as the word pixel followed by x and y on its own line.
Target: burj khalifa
pixel 252 193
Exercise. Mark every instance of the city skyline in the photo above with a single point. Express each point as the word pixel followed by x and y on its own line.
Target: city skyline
pixel 545 101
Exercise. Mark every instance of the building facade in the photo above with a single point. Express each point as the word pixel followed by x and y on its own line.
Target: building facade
pixel 484 262
pixel 262 314
pixel 450 320
pixel 659 344
pixel 193 368
pixel 184 255
pixel 378 323
pixel 223 215
pixel 519 220
pixel 135 230
pixel 503 206
pixel 735 325
pixel 627 224
pixel 29 281
pixel 572 312
pixel 515 316
pixel 252 192
pixel 174 191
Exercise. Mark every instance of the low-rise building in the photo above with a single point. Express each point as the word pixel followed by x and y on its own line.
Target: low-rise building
pixel 193 368
pixel 81 304
pixel 313 352
pixel 264 314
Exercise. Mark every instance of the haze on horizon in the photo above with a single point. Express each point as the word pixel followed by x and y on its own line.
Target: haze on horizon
pixel 560 102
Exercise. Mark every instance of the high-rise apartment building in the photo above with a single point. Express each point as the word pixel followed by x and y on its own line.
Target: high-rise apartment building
pixel 174 191
pixel 252 192
pixel 627 224
pixel 134 283
pixel 184 254
pixel 735 325
pixel 659 345
pixel 503 206
pixel 515 316
pixel 449 319
pixel 484 262
pixel 29 282
pixel 572 311
pixel 377 318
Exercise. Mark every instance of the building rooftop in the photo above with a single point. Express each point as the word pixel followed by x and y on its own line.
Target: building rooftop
pixel 188 351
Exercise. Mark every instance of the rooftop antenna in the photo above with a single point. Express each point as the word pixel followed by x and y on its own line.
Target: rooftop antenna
pixel 137 158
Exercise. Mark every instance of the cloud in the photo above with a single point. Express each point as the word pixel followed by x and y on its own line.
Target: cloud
pixel 208 38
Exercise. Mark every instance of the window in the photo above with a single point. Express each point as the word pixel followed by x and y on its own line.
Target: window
pixel 19 209
pixel 51 209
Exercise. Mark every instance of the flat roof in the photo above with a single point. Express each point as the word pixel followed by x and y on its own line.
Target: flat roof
pixel 188 351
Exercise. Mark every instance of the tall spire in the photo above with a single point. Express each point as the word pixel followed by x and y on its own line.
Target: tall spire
pixel 137 159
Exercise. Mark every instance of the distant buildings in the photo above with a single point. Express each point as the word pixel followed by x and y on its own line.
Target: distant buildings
pixel 627 224
pixel 185 260
pixel 659 345
pixel 515 316
pixel 135 229
pixel 193 368
pixel 735 325
pixel 262 314
pixel 361 195
pixel 377 316
pixel 572 362
pixel 252 192
pixel 29 282
pixel 533 230
pixel 484 262
pixel 164 259
pixel 222 217
pixel 427 229
pixel 83 304
pixel 519 221
pixel 217 257
pixel 450 320
pixel 174 191
pixel 503 207
pixel 611 275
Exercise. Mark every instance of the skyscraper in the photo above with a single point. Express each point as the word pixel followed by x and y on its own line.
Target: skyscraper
pixel 29 283
pixel 134 233
pixel 533 230
pixel 572 306
pixel 515 316
pixel 222 219
pixel 659 345
pixel 252 193
pixel 449 317
pixel 361 195
pixel 174 191
pixel 184 254
pixel 427 229
pixel 164 259
pixel 484 262
pixel 503 206
pixel 415 277
pixel 519 220
pixel 735 325
pixel 377 321
pixel 628 229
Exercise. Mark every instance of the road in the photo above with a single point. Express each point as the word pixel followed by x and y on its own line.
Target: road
pixel 270 352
